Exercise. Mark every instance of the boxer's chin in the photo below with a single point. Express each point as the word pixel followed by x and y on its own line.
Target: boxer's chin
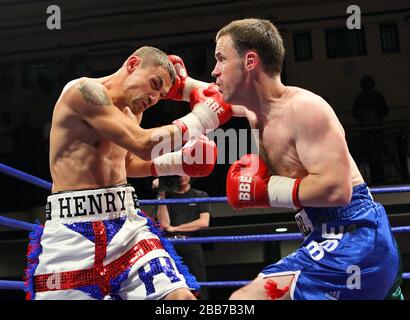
pixel 226 96
pixel 230 98
pixel 137 106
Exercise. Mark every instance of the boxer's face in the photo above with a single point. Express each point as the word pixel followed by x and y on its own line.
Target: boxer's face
pixel 229 70
pixel 145 86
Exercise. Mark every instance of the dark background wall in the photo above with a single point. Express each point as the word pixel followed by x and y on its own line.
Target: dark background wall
pixel 323 55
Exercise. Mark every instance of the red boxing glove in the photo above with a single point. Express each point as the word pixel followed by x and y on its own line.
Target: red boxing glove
pixel 246 183
pixel 209 112
pixel 177 89
pixel 196 159
pixel 249 184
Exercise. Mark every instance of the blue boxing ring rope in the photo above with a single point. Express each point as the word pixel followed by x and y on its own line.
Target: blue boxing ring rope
pixel 13 223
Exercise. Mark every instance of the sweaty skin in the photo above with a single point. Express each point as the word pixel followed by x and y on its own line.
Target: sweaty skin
pixel 300 135
pixel 95 122
pixel 322 149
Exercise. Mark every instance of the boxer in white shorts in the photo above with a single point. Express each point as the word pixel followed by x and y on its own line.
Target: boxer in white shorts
pixel 96 243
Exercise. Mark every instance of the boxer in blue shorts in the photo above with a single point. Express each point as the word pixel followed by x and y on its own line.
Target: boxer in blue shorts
pixel 348 253
pixel 304 164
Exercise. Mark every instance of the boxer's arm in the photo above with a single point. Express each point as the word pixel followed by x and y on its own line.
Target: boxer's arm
pixel 181 89
pixel 191 84
pixel 323 151
pixel 136 167
pixel 90 101
pixel 239 111
pixel 197 158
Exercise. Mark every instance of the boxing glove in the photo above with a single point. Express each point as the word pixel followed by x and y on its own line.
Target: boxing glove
pixel 177 89
pixel 249 184
pixel 209 112
pixel 196 159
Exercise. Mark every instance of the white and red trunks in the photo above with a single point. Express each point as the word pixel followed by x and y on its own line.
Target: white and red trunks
pixel 97 244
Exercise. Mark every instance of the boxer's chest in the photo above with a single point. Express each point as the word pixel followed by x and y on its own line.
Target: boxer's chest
pixel 279 147
pixel 112 151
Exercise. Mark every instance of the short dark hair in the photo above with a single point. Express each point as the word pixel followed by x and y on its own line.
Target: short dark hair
pixel 259 35
pixel 151 56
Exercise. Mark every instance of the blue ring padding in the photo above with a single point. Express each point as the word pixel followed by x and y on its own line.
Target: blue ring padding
pixel 13 223
pixel 390 189
pixel 183 201
pixel 401 229
pixel 258 237
pixel 11 285
pixel 19 285
pixel 47 185
pixel 25 177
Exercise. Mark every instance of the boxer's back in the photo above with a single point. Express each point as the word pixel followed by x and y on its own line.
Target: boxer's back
pixel 79 157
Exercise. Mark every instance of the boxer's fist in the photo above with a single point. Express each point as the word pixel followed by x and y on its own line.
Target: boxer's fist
pixel 177 89
pixel 199 157
pixel 211 98
pixel 209 112
pixel 246 183
pixel 249 184
pixel 196 159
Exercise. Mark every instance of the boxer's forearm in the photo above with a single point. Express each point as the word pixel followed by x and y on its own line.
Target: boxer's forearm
pixel 319 190
pixel 158 141
pixel 138 168
pixel 191 84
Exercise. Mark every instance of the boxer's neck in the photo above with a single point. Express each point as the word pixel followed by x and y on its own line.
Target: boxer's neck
pixel 264 91
pixel 113 85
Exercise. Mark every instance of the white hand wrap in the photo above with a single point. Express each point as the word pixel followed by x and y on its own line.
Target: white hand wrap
pixel 201 118
pixel 169 164
pixel 282 192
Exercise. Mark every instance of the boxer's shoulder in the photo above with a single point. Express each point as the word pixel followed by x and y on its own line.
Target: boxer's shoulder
pixel 70 85
pixel 304 105
pixel 93 91
pixel 80 94
pixel 302 97
pixel 72 88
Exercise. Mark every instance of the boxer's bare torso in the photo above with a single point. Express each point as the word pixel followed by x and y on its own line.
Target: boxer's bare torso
pixel 300 135
pixel 278 133
pixel 80 158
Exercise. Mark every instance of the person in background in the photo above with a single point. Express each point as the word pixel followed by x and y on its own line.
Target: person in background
pixel 185 221
pixel 369 109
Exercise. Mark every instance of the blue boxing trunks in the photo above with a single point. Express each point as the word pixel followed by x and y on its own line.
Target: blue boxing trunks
pixel 348 253
pixel 97 244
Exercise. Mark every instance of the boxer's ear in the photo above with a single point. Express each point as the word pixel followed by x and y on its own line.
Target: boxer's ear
pixel 132 63
pixel 251 60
